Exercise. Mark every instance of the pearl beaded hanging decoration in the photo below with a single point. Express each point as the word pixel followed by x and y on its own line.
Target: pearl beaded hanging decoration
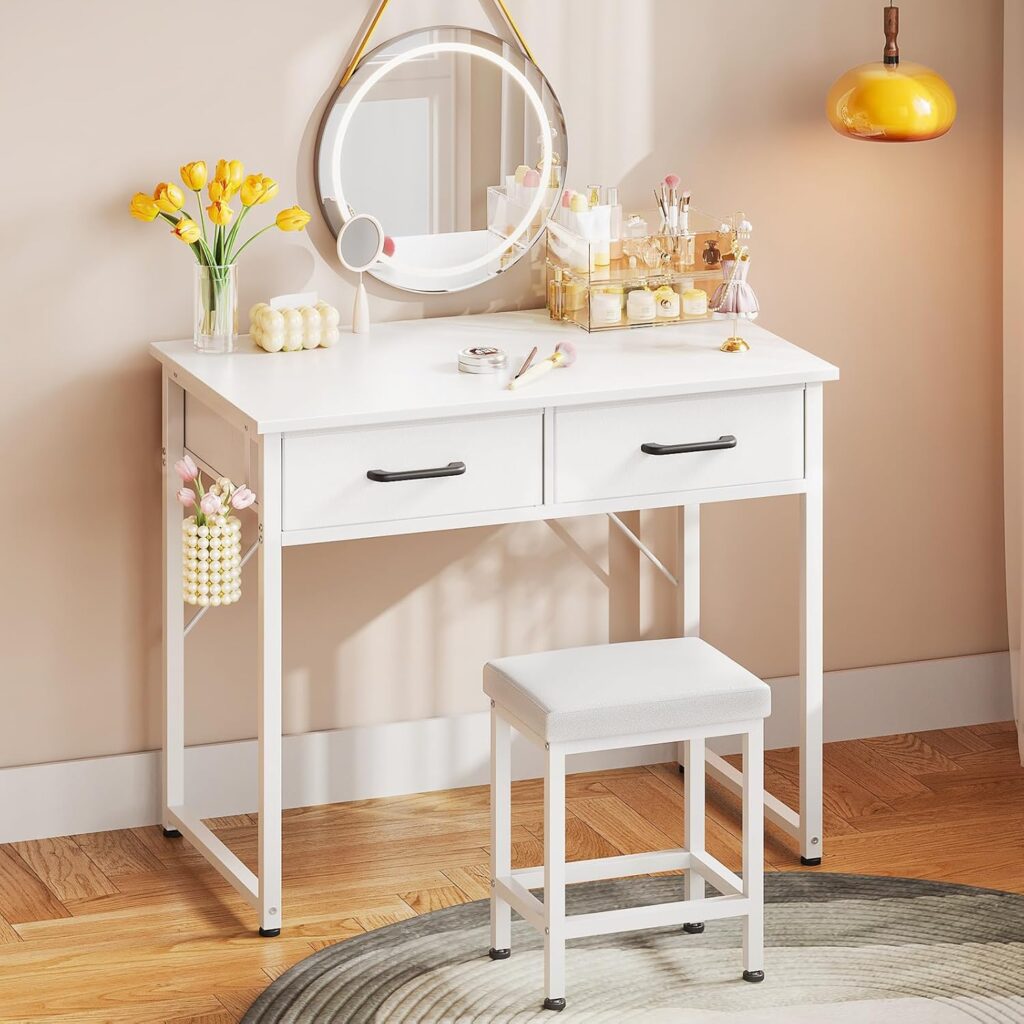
pixel 211 538
pixel 212 561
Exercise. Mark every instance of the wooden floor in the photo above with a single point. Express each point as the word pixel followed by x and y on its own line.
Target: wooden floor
pixel 130 926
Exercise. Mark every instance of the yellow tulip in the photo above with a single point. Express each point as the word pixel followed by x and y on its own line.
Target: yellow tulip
pixel 229 173
pixel 187 230
pixel 194 175
pixel 294 218
pixel 169 197
pixel 257 189
pixel 143 207
pixel 219 191
pixel 220 213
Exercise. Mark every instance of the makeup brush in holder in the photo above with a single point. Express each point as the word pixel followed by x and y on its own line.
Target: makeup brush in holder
pixel 675 222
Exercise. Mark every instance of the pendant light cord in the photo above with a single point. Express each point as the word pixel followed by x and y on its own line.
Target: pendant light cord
pixel 891 27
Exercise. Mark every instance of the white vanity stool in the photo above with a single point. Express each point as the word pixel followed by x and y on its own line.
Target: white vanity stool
pixel 603 698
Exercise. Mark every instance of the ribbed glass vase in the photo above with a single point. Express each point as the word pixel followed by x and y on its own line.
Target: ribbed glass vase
pixel 215 313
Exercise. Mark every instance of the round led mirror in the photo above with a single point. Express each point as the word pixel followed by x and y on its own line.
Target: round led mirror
pixel 453 140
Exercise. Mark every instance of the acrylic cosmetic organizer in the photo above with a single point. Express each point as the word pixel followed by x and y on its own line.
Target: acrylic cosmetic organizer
pixel 591 283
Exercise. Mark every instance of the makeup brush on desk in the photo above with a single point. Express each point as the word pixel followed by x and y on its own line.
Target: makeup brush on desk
pixel 564 355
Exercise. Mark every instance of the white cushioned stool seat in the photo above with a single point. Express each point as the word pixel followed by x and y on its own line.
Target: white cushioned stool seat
pixel 584 693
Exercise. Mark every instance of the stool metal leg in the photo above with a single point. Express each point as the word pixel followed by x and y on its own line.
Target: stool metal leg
pixel 501 833
pixel 554 879
pixel 693 810
pixel 753 853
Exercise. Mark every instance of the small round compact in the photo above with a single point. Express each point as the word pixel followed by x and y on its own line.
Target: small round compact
pixel 482 359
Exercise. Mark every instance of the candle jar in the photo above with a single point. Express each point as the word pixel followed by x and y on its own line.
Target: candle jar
pixel 640 306
pixel 606 307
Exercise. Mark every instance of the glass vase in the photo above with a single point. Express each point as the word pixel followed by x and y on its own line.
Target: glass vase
pixel 215 313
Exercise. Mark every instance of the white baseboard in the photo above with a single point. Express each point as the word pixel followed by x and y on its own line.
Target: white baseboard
pixel 95 794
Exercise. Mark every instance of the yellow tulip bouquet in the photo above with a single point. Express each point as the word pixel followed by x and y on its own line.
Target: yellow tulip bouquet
pixel 216 256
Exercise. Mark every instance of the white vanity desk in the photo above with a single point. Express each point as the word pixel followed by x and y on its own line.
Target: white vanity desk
pixel 305 429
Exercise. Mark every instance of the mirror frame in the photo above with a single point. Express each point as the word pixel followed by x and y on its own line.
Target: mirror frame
pixel 363 88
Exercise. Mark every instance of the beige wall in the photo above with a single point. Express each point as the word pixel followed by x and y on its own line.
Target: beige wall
pixel 881 259
pixel 1013 338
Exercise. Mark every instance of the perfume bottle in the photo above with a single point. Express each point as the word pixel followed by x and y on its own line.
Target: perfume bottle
pixel 633 235
pixel 688 241
pixel 555 295
pixel 712 255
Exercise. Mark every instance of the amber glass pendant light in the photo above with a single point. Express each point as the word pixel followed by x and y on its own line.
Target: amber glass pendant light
pixel 890 101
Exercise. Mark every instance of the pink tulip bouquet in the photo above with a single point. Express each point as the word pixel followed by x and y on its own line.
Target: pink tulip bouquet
pixel 211 537
pixel 213 502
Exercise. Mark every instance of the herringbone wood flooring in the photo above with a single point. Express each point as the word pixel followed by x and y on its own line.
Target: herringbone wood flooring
pixel 129 926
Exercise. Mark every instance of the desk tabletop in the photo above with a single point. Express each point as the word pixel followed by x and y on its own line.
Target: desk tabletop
pixel 407 370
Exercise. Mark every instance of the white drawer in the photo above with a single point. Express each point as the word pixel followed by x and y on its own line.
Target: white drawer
pixel 599 448
pixel 326 481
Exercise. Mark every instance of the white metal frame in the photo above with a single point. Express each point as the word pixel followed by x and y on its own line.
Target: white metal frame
pixel 263 890
pixel 510 887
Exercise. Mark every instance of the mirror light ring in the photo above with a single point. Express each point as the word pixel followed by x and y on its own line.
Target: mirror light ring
pixel 538 107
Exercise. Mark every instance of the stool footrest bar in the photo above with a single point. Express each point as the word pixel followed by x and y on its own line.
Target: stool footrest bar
pixel 610 867
pixel 628 919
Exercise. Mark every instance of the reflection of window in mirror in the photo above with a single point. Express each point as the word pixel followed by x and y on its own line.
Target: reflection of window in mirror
pixel 392 159
pixel 429 140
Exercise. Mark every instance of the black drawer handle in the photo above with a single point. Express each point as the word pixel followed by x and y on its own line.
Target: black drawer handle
pixel 382 476
pixel 725 441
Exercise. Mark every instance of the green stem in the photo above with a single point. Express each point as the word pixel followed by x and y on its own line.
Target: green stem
pixel 202 220
pixel 234 233
pixel 248 241
pixel 206 251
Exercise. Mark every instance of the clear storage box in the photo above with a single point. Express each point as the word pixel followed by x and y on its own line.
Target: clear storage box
pixel 647 278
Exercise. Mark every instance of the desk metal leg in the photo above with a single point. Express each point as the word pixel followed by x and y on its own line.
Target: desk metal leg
pixel 807 826
pixel 811 632
pixel 688 589
pixel 173 760
pixel 269 718
pixel 688 562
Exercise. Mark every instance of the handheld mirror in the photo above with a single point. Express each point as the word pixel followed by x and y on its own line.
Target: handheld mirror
pixel 360 245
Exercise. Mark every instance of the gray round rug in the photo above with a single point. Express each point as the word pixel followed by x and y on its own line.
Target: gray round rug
pixel 840 949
